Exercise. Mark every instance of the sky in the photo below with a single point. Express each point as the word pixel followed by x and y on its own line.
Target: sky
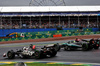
pixel 49 2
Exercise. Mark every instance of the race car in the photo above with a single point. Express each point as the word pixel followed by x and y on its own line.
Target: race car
pixel 31 51
pixel 83 44
pixel 55 46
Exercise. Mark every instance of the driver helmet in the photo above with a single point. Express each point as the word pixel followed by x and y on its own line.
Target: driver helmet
pixel 77 39
pixel 33 47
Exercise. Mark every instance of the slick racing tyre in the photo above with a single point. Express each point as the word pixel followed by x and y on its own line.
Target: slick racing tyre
pixel 90 46
pixel 11 54
pixel 84 47
pixel 96 46
pixel 54 52
pixel 57 47
pixel 38 54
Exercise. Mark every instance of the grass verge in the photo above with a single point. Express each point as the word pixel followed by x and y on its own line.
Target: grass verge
pixel 45 64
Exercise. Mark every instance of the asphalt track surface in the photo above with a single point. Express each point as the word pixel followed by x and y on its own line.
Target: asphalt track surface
pixel 92 56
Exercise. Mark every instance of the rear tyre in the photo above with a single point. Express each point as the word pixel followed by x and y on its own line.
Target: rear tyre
pixel 38 54
pixel 54 52
pixel 11 54
pixel 96 46
pixel 90 47
pixel 57 47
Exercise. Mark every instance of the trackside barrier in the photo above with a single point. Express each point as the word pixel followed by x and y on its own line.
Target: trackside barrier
pixel 55 32
pixel 48 34
pixel 4 32
pixel 59 35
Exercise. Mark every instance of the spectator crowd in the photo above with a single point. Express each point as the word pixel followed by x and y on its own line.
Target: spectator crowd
pixel 46 22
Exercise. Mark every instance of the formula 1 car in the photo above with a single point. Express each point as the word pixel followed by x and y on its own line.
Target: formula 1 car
pixel 32 51
pixel 84 44
pixel 55 46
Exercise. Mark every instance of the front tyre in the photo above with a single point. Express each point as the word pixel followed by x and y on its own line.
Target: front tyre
pixel 84 47
pixel 11 54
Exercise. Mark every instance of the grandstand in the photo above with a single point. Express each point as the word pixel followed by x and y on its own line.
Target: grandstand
pixel 49 17
pixel 33 17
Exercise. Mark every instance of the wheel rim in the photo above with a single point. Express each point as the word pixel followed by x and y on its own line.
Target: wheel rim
pixel 9 54
pixel 57 47
pixel 66 48
pixel 37 54
pixel 84 47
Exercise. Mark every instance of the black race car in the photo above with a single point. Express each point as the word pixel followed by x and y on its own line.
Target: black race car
pixel 55 46
pixel 83 44
pixel 32 51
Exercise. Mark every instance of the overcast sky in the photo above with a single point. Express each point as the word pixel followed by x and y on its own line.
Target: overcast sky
pixel 48 2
